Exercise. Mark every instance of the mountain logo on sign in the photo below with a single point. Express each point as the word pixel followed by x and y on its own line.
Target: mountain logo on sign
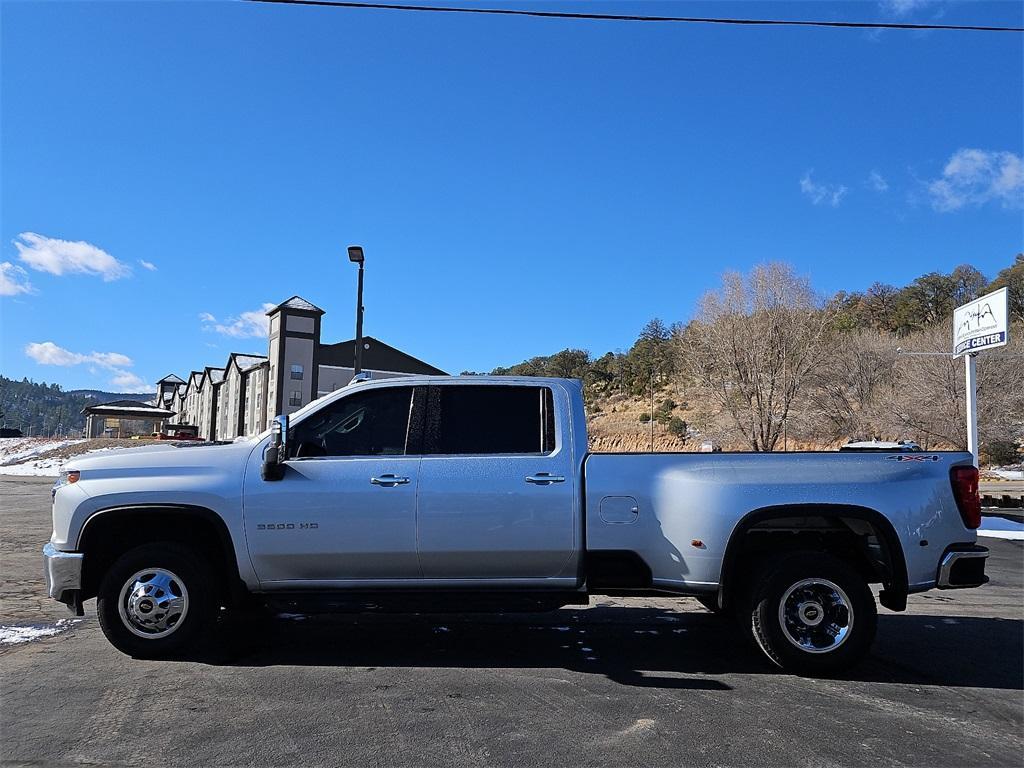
pixel 978 319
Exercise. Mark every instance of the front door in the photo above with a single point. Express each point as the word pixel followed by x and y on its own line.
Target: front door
pixel 497 500
pixel 345 510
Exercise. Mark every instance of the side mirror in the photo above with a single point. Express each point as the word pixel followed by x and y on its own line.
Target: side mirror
pixel 277 451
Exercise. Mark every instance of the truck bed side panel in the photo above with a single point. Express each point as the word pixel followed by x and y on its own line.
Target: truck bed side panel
pixel 682 498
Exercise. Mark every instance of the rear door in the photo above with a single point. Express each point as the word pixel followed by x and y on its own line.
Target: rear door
pixel 497 499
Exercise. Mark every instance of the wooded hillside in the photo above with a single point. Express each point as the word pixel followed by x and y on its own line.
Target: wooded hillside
pixel 766 363
pixel 46 409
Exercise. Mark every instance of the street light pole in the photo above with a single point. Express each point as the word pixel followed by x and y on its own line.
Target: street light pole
pixel 355 255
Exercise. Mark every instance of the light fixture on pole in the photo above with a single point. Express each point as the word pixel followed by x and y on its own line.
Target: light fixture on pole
pixel 355 255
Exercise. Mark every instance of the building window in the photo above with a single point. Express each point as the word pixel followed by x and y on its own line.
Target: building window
pixel 296 398
pixel 297 372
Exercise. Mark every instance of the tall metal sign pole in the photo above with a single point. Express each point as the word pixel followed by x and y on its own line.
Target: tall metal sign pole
pixel 978 325
pixel 971 371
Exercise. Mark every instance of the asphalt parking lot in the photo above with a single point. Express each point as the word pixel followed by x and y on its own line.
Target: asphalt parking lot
pixel 623 682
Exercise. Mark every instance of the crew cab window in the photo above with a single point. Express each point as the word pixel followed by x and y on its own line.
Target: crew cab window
pixel 370 423
pixel 487 420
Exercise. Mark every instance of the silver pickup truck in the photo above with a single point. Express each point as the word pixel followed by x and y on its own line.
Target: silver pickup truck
pixel 479 493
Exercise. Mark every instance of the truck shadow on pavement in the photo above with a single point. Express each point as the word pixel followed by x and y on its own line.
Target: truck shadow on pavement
pixel 637 646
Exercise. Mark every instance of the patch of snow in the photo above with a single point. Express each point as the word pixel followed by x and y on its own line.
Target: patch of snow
pixel 1001 528
pixel 1007 474
pixel 293 616
pixel 40 468
pixel 147 411
pixel 17 449
pixel 1011 535
pixel 441 629
pixel 15 634
pixel 50 467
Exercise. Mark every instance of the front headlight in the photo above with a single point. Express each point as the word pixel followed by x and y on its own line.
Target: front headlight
pixel 66 477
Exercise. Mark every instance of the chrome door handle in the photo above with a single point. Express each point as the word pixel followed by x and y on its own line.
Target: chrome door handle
pixel 543 478
pixel 389 480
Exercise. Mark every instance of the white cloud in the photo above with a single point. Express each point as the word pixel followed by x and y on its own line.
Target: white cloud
pixel 975 177
pixel 148 265
pixel 822 194
pixel 877 182
pixel 13 280
pixel 126 381
pixel 60 257
pixel 48 353
pixel 251 324
pixel 902 7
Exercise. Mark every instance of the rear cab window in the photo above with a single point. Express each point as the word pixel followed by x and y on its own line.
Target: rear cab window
pixel 486 420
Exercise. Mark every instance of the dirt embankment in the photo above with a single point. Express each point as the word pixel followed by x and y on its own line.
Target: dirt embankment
pixel 67 451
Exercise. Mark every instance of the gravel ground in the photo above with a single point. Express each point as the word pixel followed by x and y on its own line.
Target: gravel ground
pixel 623 682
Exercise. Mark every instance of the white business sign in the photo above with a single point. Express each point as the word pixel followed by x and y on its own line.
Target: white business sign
pixel 980 324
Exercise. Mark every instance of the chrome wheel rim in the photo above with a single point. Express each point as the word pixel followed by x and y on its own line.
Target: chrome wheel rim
pixel 816 615
pixel 153 603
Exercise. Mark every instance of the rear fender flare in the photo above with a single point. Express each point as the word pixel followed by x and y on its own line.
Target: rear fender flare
pixel 894 594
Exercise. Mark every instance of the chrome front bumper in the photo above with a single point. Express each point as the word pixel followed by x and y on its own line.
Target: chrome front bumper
pixel 63 572
pixel 962 567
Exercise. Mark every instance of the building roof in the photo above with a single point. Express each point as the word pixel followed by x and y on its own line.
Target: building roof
pixel 377 356
pixel 127 408
pixel 172 379
pixel 297 302
pixel 215 374
pixel 244 361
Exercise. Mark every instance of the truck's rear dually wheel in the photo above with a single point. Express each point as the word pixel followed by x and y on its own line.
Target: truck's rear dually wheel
pixel 811 613
pixel 155 599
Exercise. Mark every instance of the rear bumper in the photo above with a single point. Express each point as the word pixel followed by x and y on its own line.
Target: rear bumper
pixel 63 571
pixel 962 566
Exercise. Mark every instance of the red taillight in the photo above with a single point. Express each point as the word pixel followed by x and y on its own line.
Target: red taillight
pixel 965 491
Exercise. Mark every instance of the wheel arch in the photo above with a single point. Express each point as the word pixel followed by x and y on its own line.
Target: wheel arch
pixel 136 524
pixel 895 581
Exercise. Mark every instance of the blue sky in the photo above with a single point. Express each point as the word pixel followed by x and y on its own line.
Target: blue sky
pixel 519 185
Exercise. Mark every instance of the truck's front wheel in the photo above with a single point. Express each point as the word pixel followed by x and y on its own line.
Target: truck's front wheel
pixel 812 613
pixel 155 599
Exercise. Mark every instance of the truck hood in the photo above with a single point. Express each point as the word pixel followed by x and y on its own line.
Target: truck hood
pixel 167 456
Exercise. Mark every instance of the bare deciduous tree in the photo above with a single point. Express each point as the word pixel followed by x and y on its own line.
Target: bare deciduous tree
pixel 929 394
pixel 754 346
pixel 855 377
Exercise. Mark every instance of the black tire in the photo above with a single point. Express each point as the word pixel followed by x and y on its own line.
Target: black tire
pixel 191 577
pixel 822 589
